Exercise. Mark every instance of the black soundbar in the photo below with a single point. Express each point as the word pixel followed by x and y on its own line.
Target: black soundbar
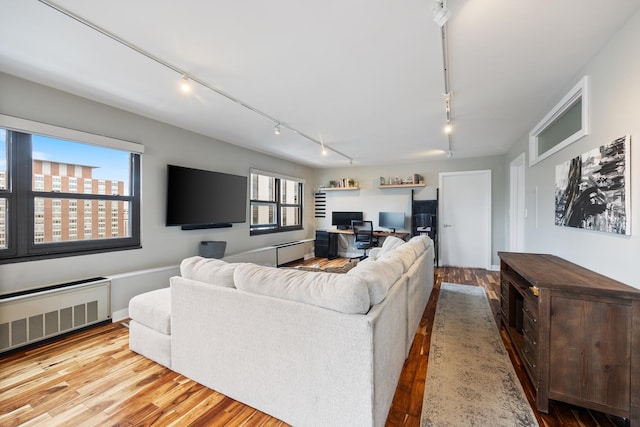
pixel 204 226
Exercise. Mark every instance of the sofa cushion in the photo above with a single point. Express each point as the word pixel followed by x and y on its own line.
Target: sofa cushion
pixel 389 244
pixel 417 245
pixel 379 276
pixel 423 239
pixel 339 292
pixel 208 270
pixel 405 253
pixel 153 310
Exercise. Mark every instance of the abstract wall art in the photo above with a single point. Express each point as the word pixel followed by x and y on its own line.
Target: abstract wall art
pixel 593 190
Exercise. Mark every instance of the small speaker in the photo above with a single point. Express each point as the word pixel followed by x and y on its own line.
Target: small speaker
pixel 212 249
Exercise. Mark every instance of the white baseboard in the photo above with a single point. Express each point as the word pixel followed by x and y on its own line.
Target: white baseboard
pixel 495 268
pixel 120 315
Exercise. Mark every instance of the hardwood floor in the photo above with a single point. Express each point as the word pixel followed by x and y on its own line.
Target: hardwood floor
pixel 91 378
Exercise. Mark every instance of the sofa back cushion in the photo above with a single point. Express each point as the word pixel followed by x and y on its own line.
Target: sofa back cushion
pixel 379 276
pixel 209 270
pixel 389 244
pixel 424 239
pixel 339 292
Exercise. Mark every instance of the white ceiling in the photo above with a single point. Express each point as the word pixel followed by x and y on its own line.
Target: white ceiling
pixel 364 76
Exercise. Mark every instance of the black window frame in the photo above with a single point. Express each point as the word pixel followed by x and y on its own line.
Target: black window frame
pixel 277 227
pixel 20 230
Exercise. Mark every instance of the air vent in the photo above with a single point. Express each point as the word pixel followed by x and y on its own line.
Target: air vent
pixel 31 317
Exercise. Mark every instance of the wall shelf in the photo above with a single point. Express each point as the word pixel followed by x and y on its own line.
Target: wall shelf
pixel 338 188
pixel 401 185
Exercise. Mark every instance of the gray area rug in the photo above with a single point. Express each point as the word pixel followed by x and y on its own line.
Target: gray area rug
pixel 470 378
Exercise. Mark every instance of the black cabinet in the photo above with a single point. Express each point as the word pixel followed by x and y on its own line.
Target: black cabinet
pixel 326 244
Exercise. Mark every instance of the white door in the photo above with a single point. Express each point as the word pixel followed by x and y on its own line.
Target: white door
pixel 465 219
pixel 516 204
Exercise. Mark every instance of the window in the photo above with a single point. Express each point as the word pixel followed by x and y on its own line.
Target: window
pixel 276 203
pixel 566 123
pixel 52 195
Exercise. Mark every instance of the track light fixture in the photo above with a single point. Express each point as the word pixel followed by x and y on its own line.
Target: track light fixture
pixel 185 85
pixel 448 128
pixel 276 129
pixel 447 102
pixel 323 149
pixel 441 13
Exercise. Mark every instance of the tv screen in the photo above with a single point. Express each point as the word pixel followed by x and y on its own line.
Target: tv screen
pixel 204 199
pixel 392 220
pixel 343 219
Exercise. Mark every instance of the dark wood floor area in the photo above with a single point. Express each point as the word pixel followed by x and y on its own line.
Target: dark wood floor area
pixel 91 378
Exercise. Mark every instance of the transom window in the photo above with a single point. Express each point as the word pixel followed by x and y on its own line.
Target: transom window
pixel 276 203
pixel 47 183
pixel 566 123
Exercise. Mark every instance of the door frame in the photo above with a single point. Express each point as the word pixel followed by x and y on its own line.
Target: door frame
pixel 517 211
pixel 485 175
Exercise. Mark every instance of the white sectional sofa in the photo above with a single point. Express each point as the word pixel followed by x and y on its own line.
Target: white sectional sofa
pixel 309 348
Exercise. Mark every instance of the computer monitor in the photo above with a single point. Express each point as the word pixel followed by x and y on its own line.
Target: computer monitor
pixel 342 219
pixel 391 220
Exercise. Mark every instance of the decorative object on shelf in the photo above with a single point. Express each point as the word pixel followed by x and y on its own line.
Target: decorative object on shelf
pixel 592 190
pixel 342 184
pixel 415 180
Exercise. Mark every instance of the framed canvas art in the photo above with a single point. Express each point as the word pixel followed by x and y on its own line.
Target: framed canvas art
pixel 593 190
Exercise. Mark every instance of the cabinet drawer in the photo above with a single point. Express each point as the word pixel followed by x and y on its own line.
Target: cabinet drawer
pixel 529 326
pixel 531 308
pixel 530 360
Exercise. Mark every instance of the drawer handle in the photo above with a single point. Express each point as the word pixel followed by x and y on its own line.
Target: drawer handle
pixel 526 335
pixel 526 359
pixel 528 313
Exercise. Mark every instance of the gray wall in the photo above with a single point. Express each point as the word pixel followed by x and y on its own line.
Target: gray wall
pixel 370 199
pixel 614 112
pixel 161 246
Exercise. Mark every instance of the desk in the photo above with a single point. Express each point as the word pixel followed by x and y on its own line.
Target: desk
pixel 402 235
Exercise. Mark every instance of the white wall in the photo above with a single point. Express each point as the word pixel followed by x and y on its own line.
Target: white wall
pixel 615 112
pixel 161 246
pixel 371 200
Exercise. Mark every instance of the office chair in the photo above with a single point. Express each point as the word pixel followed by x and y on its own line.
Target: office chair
pixel 362 235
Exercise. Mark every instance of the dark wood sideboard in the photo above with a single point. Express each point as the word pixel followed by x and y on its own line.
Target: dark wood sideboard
pixel 576 331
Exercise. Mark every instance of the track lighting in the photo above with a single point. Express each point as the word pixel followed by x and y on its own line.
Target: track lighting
pixel 185 85
pixel 448 128
pixel 187 80
pixel 323 149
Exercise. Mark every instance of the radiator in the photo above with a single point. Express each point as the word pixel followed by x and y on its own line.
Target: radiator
pixel 38 315
pixel 293 251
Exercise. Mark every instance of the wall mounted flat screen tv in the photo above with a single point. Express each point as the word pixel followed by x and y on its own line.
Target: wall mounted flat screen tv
pixel 391 220
pixel 342 219
pixel 204 199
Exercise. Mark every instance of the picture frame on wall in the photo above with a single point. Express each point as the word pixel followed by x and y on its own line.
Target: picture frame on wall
pixel 593 190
